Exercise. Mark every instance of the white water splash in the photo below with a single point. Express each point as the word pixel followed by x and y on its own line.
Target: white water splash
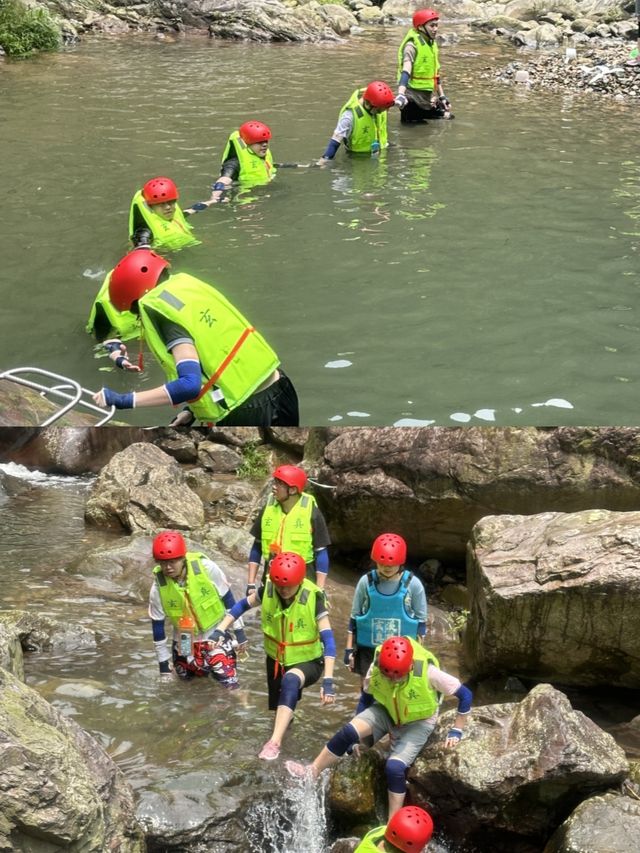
pixel 19 472
pixel 295 825
pixel 341 362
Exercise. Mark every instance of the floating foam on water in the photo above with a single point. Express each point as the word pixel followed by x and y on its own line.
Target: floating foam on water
pixel 485 414
pixel 517 410
pixel 341 362
pixel 336 418
pixel 412 422
pixel 461 417
pixel 557 402
pixel 97 274
pixel 359 414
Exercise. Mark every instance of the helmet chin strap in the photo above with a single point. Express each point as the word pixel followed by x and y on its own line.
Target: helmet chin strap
pixel 140 350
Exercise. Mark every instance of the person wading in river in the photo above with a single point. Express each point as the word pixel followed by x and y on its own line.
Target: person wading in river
pixel 400 697
pixel 212 357
pixel 420 93
pixel 290 521
pixel 298 640
pixel 362 124
pixel 193 593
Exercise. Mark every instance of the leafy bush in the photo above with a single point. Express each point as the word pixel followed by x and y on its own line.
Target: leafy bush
pixel 24 30
pixel 254 462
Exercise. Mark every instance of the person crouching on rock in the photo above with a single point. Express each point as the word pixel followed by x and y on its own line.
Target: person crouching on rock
pixel 298 640
pixel 400 697
pixel 193 593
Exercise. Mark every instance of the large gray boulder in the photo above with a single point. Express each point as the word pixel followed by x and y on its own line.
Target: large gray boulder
pixel 609 823
pixel 556 596
pixel 519 771
pixel 60 790
pixel 142 489
pixel 433 485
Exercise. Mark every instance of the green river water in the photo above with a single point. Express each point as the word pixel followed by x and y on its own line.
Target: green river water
pixel 482 271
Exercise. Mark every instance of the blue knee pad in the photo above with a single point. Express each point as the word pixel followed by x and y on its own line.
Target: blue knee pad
pixel 396 773
pixel 342 740
pixel 289 691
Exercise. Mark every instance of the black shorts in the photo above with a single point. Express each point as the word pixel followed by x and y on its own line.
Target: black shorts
pixel 311 669
pixel 363 658
pixel 277 405
pixel 412 113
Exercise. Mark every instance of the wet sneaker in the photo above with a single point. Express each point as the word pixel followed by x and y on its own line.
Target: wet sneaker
pixel 297 769
pixel 270 751
pixel 633 63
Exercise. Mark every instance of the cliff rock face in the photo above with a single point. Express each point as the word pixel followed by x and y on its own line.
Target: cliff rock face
pixel 432 485
pixel 556 596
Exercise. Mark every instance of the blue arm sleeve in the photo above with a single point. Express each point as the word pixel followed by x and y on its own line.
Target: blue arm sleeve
pixel 322 561
pixel 331 149
pixel 188 383
pixel 464 699
pixel 256 552
pixel 157 626
pixel 422 629
pixel 228 600
pixel 328 643
pixel 365 701
pixel 239 608
pixel 404 79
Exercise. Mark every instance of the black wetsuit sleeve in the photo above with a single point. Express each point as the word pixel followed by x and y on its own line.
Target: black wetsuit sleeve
pixel 230 168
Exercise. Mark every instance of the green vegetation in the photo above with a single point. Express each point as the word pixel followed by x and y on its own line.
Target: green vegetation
pixel 254 465
pixel 24 30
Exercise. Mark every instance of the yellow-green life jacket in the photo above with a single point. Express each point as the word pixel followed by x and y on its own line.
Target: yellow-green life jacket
pixel 411 699
pixel 288 531
pixel 199 597
pixel 254 170
pixel 228 347
pixel 367 129
pixel 175 234
pixel 125 324
pixel 369 843
pixel 291 636
pixel 426 66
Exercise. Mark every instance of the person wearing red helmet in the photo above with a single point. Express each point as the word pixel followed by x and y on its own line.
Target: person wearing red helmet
pixel 290 521
pixel 400 698
pixel 155 219
pixel 213 358
pixel 408 831
pixel 187 583
pixel 362 124
pixel 298 640
pixel 246 158
pixel 388 601
pixel 420 93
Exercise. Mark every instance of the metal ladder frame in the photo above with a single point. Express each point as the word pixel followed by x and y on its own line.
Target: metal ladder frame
pixel 69 390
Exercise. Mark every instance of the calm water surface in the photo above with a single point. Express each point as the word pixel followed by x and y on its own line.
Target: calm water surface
pixel 482 271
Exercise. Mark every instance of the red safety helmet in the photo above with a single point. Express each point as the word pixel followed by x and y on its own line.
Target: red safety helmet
pixel 254 131
pixel 379 95
pixel 160 189
pixel 410 829
pixel 169 545
pixel 389 549
pixel 291 475
pixel 396 657
pixel 287 569
pixel 133 276
pixel 423 16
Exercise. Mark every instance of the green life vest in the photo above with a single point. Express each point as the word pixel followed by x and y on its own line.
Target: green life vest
pixel 291 636
pixel 288 531
pixel 254 170
pixel 229 348
pixel 125 324
pixel 369 843
pixel 411 699
pixel 174 234
pixel 367 128
pixel 426 66
pixel 200 594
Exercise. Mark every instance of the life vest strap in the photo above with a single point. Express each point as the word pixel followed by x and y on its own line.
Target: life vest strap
pixel 225 363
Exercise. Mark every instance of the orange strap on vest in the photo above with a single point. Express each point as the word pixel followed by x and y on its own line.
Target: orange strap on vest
pixel 234 349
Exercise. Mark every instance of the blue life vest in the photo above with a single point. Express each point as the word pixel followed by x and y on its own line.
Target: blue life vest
pixel 387 615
